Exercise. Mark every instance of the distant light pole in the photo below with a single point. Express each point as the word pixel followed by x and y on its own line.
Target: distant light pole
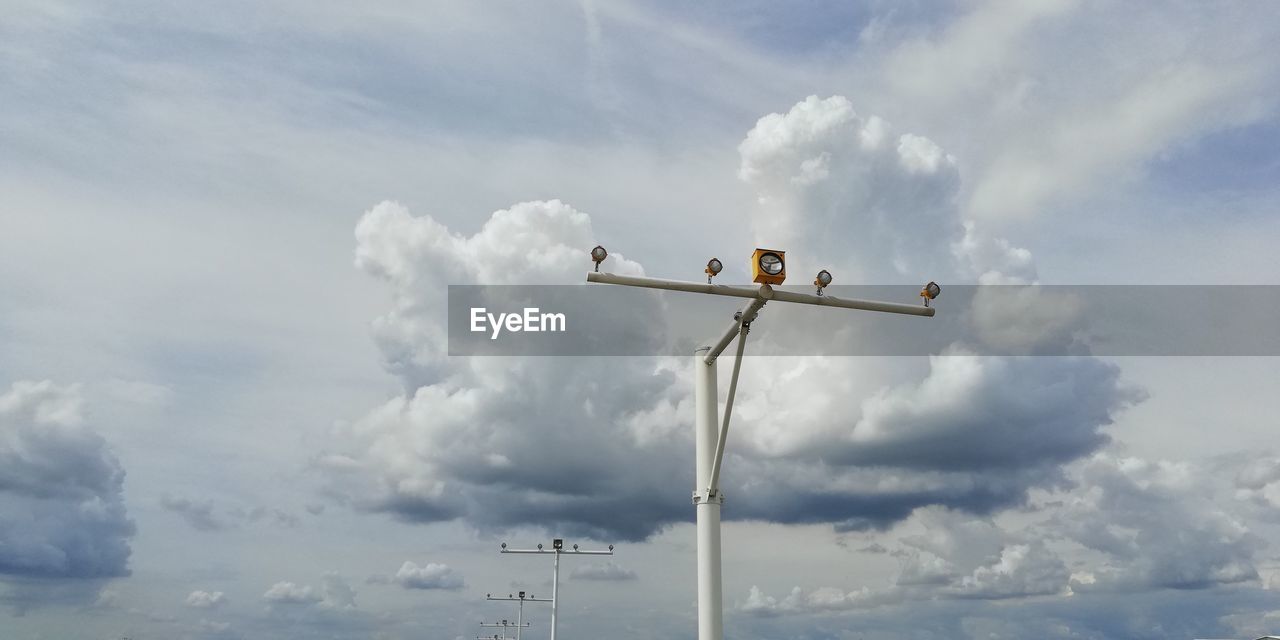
pixel 504 625
pixel 768 268
pixel 521 598
pixel 557 548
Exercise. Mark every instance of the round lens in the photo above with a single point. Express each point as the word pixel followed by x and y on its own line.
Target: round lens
pixel 824 277
pixel 715 266
pixel 598 254
pixel 771 264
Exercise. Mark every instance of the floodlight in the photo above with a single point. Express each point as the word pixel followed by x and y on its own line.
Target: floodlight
pixel 521 595
pixel 575 547
pixel 598 255
pixel 823 279
pixel 611 547
pixel 930 291
pixel 714 267
pixel 539 546
pixel 558 543
pixel 768 266
pixel 504 545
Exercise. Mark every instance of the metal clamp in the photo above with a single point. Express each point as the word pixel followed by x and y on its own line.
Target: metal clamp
pixel 700 497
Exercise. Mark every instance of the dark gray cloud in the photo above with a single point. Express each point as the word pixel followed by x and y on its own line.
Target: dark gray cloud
pixel 62 512
pixel 991 414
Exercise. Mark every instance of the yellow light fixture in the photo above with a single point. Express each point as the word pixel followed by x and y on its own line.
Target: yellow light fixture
pixel 768 266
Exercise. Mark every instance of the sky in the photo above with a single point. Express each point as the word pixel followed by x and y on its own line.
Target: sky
pixel 227 408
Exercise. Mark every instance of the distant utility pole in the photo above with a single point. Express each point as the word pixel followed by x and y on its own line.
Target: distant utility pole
pixel 557 548
pixel 521 598
pixel 504 625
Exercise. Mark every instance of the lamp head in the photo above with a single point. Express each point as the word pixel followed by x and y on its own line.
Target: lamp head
pixel 822 280
pixel 930 292
pixel 598 255
pixel 714 267
pixel 768 266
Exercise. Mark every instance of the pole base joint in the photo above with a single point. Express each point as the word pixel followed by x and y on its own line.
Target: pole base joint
pixel 701 497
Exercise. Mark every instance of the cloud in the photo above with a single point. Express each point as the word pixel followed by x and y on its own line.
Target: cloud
pixel 1258 482
pixel 847 189
pixel 994 413
pixel 197 513
pixel 991 260
pixel 211 626
pixel 1093 142
pixel 336 593
pixel 201 514
pixel 960 556
pixel 821 600
pixel 289 593
pixel 494 441
pixel 430 576
pixel 531 242
pixel 1159 524
pixel 278 517
pixel 605 571
pixel 1041 126
pixel 62 512
pixel 206 599
pixel 1022 570
pixel 957 557
pixel 1122 525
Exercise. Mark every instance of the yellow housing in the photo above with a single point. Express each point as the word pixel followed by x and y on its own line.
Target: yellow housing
pixel 760 275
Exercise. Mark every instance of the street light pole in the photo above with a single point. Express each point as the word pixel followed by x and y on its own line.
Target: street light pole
pixel 557 548
pixel 521 598
pixel 504 625
pixel 710 433
pixel 706 506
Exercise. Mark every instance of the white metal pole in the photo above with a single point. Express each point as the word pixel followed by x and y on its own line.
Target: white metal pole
pixel 555 593
pixel 707 427
pixel 520 618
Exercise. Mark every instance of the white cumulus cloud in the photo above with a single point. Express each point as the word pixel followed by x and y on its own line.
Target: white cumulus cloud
pixel 428 576
pixel 206 599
